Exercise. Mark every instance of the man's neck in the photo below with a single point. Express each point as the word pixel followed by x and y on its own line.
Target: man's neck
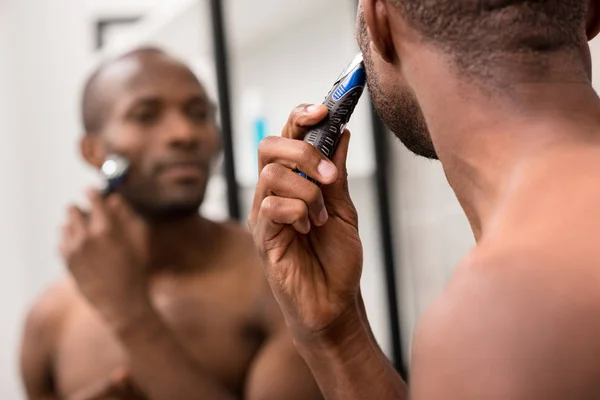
pixel 178 245
pixel 483 137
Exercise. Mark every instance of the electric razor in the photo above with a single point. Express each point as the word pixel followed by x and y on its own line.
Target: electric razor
pixel 341 102
pixel 114 171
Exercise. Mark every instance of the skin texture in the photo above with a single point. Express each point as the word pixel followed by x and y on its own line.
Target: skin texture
pixel 159 303
pixel 518 321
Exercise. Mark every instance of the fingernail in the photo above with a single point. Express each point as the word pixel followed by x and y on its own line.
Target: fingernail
pixel 323 217
pixel 326 169
pixel 312 109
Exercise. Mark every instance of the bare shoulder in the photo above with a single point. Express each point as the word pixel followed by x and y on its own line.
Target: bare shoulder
pixel 51 306
pixel 237 233
pixel 237 244
pixel 506 327
pixel 40 335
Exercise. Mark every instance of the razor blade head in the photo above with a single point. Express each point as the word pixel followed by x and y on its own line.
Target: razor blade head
pixel 114 167
pixel 113 170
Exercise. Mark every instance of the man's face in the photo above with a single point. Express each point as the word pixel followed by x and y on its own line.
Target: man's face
pixel 393 99
pixel 162 120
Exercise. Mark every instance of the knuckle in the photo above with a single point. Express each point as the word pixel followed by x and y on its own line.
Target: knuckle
pixel 266 144
pixel 297 113
pixel 297 210
pixel 99 230
pixel 270 173
pixel 269 205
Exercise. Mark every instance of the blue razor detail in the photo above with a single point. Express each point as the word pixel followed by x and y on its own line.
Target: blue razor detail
pixel 357 79
pixel 341 102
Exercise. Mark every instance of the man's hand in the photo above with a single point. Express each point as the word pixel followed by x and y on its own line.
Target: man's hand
pixel 307 236
pixel 107 255
pixel 118 386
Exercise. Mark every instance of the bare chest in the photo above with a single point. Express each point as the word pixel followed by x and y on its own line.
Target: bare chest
pixel 221 336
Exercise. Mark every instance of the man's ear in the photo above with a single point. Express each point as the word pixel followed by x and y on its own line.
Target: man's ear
pixel 593 19
pixel 92 150
pixel 378 23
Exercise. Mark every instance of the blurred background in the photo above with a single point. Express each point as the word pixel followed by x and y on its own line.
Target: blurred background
pixel 275 55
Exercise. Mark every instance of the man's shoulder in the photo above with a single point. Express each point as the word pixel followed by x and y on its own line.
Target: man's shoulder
pixel 232 229
pixel 52 306
pixel 515 312
pixel 531 269
pixel 245 272
pixel 522 291
pixel 236 241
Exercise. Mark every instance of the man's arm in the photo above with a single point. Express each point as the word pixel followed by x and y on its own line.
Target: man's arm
pixel 349 364
pixel 37 345
pixel 279 371
pixel 307 236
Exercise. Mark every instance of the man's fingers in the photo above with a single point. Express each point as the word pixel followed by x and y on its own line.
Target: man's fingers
pixel 98 215
pixel 339 188
pixel 277 180
pixel 117 207
pixel 72 232
pixel 302 118
pixel 277 211
pixel 77 223
pixel 297 155
pixel 337 196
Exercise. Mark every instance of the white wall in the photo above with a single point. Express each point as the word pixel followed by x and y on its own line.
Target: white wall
pixel 45 48
pixel 45 55
pixel 12 275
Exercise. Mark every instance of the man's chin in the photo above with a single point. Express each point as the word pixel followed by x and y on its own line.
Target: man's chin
pixel 419 147
pixel 170 210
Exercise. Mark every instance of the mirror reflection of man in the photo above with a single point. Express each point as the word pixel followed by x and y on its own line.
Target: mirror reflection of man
pixel 161 303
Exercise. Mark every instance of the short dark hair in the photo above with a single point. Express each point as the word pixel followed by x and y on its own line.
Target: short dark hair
pixel 94 102
pixel 474 30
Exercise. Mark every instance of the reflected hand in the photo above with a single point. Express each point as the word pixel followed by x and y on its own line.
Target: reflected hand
pixel 307 236
pixel 107 255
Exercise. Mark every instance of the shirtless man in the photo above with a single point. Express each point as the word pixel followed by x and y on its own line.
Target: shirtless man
pixel 161 304
pixel 504 88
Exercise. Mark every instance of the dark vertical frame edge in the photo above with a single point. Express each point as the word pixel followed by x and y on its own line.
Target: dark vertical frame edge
pixel 223 85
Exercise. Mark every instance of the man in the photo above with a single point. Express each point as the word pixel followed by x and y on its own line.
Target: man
pixel 161 303
pixel 504 88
